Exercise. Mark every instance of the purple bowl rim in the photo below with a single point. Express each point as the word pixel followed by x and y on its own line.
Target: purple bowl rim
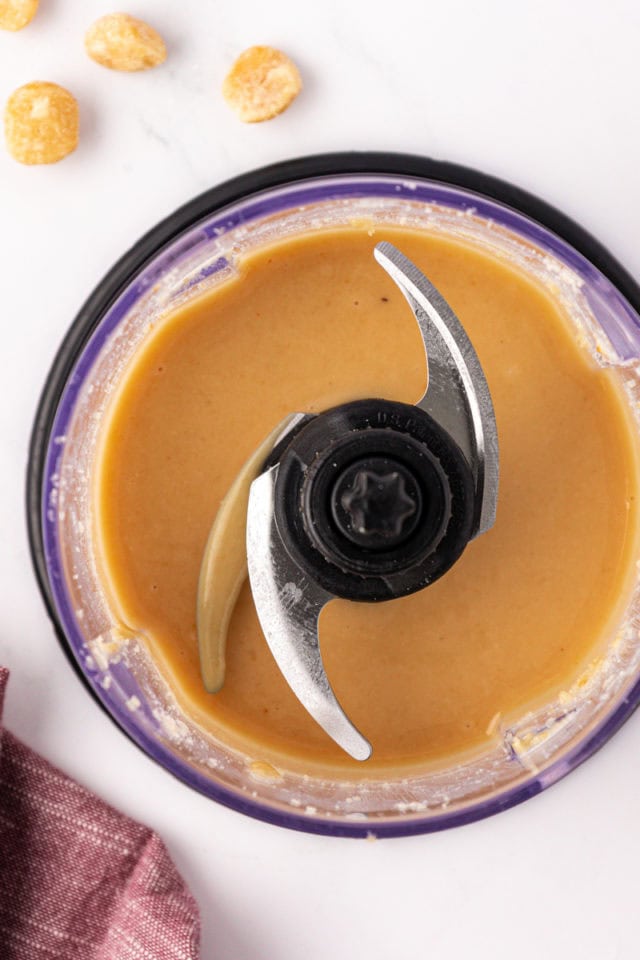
pixel 514 205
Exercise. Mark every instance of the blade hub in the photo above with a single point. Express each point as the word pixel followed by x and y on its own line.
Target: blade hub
pixel 374 500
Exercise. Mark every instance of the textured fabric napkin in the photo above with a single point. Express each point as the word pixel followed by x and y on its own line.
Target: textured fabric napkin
pixel 78 879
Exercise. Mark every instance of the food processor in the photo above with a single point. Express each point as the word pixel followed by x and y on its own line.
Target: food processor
pixel 368 501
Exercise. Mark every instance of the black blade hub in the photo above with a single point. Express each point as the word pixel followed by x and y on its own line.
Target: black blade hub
pixel 374 500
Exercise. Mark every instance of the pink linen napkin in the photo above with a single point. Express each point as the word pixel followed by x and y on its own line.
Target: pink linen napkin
pixel 78 880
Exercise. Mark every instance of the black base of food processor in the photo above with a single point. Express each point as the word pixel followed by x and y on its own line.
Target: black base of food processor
pixel 296 170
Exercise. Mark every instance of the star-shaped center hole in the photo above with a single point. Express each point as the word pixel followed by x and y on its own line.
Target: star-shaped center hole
pixel 378 503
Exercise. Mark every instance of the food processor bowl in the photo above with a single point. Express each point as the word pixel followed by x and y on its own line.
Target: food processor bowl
pixel 198 248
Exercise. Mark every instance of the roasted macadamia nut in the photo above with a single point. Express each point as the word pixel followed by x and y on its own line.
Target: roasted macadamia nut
pixel 122 42
pixel 41 123
pixel 16 14
pixel 261 84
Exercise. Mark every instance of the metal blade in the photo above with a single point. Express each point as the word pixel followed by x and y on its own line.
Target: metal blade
pixel 457 394
pixel 289 606
pixel 223 569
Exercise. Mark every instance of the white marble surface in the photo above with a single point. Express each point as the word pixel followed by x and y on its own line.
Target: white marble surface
pixel 544 93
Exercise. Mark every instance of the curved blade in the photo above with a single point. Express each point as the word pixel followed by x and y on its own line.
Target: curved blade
pixel 288 605
pixel 457 394
pixel 223 569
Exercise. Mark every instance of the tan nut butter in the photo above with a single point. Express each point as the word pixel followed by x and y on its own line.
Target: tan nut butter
pixel 314 322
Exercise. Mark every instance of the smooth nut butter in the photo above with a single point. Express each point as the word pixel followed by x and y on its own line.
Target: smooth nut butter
pixel 312 322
